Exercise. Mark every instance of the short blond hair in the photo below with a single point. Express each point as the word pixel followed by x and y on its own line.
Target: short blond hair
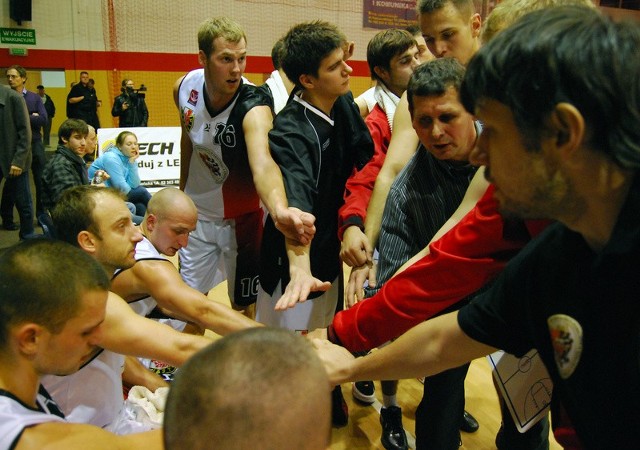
pixel 508 12
pixel 216 27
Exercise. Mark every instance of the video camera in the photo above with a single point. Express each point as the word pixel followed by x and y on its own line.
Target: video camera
pixel 140 92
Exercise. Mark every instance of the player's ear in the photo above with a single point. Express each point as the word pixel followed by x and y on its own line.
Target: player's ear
pixel 151 221
pixel 87 241
pixel 476 25
pixel 202 58
pixel 28 336
pixel 307 81
pixel 568 128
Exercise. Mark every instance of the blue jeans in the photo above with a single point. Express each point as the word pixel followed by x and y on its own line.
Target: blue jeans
pixel 137 220
pixel 16 190
pixel 140 197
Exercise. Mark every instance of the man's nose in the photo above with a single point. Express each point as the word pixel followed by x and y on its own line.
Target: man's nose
pixel 441 48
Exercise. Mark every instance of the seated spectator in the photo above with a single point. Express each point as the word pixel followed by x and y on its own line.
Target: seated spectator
pixel 119 163
pixel 66 168
pixel 263 411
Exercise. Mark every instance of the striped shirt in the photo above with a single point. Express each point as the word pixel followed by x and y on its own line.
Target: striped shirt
pixel 421 199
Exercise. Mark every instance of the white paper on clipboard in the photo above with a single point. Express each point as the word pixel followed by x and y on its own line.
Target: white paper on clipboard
pixel 525 386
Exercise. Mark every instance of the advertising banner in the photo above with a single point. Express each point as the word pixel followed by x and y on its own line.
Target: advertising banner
pixel 159 161
pixel 384 14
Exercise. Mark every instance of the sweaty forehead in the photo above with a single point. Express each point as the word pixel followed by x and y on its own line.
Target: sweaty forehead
pixel 437 104
pixel 110 210
pixel 222 45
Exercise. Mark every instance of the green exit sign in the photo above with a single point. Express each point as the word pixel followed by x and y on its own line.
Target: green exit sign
pixel 24 36
pixel 18 51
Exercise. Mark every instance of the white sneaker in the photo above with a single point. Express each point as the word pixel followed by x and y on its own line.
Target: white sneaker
pixel 364 391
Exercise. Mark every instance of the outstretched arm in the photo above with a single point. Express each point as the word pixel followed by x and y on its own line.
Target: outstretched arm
pixel 356 249
pixel 402 147
pixel 161 280
pixel 127 333
pixel 292 222
pixel 64 436
pixel 477 188
pixel 457 265
pixel 302 281
pixel 427 349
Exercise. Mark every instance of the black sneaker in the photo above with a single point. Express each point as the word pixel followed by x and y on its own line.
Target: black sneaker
pixel 364 391
pixel 339 408
pixel 469 423
pixel 393 434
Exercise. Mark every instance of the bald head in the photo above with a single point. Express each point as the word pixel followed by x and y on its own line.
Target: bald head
pixel 91 140
pixel 171 215
pixel 169 200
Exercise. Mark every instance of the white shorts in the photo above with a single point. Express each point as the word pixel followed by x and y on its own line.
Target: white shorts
pixel 303 317
pixel 225 249
pixel 200 260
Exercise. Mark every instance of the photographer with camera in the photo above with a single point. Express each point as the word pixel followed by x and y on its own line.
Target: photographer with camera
pixel 130 106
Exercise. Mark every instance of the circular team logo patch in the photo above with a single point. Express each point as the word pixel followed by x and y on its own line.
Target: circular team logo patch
pixel 219 171
pixel 566 338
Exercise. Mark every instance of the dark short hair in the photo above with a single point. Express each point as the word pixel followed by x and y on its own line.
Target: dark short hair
pixel 306 45
pixel 74 211
pixel 384 46
pixel 565 54
pixel 414 30
pixel 42 282
pixel 465 7
pixel 39 86
pixel 433 78
pixel 70 126
pixel 277 52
